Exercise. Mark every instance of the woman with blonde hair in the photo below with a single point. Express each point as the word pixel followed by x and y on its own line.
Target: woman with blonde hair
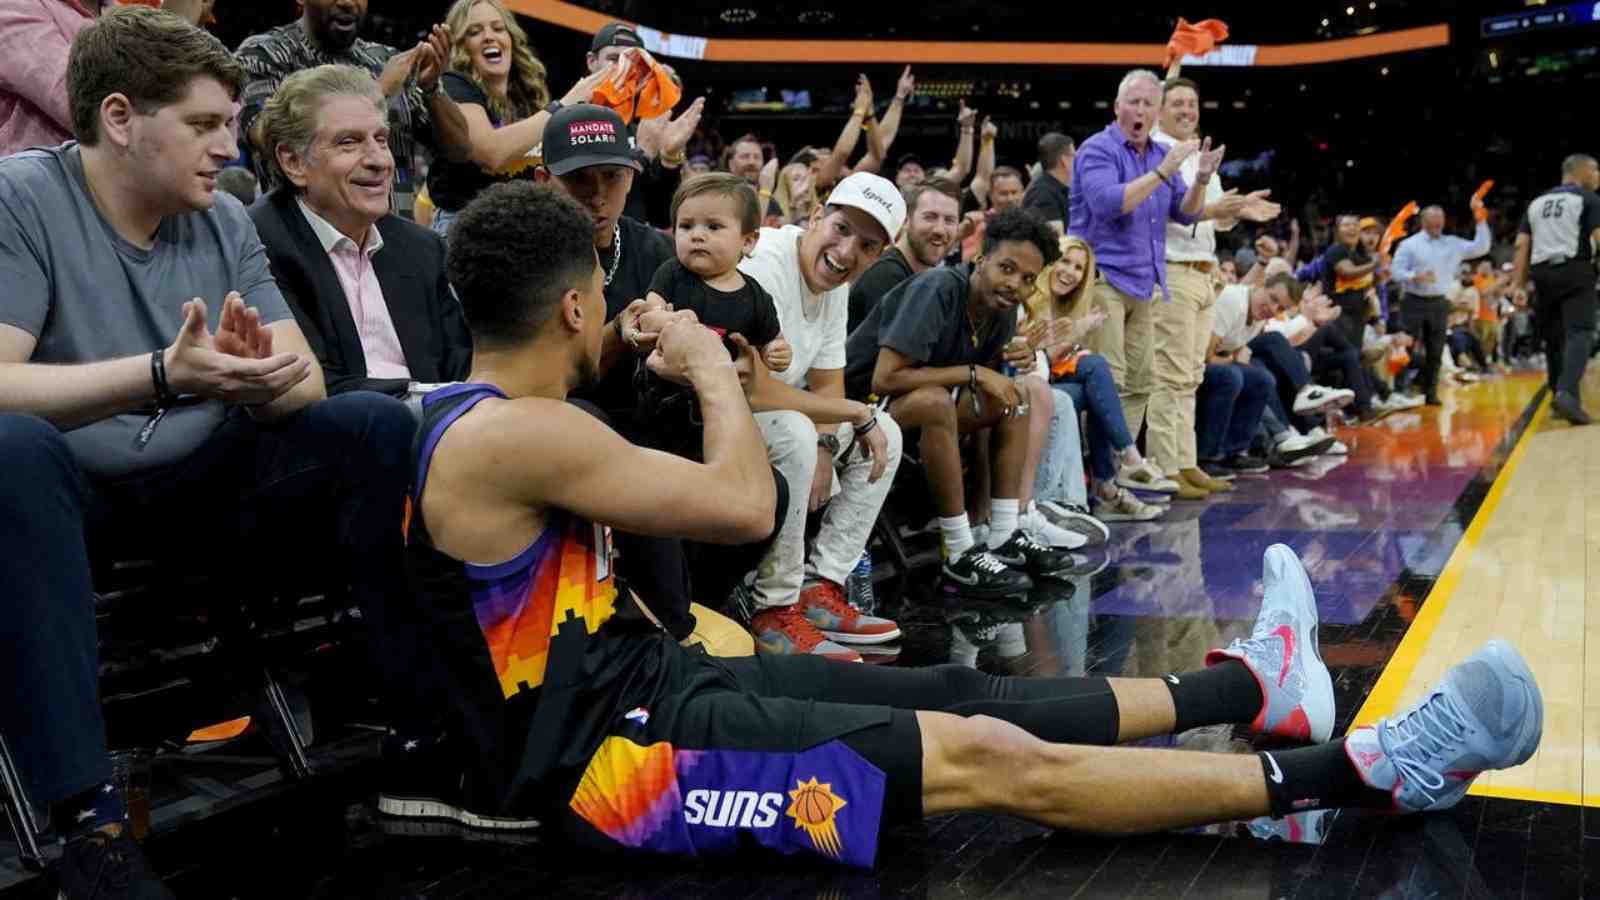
pixel 500 86
pixel 796 194
pixel 1055 320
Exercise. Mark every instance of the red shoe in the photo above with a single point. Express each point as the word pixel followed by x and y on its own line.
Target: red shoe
pixel 785 630
pixel 824 606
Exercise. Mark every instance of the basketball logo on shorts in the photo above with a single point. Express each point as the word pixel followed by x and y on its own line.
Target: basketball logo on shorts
pixel 814 807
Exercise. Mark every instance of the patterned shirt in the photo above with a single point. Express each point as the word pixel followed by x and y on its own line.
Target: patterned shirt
pixel 271 57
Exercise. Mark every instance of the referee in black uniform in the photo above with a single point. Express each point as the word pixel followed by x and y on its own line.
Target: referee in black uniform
pixel 1556 246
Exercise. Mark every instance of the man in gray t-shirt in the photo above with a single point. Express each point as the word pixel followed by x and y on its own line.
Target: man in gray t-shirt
pixel 156 394
pixel 86 294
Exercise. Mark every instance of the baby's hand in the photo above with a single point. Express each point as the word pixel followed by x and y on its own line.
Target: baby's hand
pixel 778 354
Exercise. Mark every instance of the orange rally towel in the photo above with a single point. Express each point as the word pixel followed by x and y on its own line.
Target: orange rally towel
pixel 647 90
pixel 1482 213
pixel 1197 39
pixel 1397 227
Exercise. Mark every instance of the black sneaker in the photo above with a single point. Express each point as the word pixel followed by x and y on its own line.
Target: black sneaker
pixel 978 573
pixel 99 867
pixel 1568 407
pixel 1215 469
pixel 430 784
pixel 1246 463
pixel 1039 561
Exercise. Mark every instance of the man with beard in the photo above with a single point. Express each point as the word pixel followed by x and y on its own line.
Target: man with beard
pixel 328 32
pixel 932 216
pixel 1425 266
pixel 933 349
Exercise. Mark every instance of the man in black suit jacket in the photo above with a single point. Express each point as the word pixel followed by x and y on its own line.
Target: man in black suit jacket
pixel 336 250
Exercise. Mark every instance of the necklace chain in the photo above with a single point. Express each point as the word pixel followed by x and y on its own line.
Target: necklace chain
pixel 616 259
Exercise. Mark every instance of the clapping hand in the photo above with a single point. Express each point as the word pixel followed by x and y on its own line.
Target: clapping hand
pixel 1177 155
pixel 236 365
pixel 1257 208
pixel 432 57
pixel 1211 159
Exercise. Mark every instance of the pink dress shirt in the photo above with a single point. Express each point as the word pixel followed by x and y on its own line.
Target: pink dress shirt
pixel 379 342
pixel 35 36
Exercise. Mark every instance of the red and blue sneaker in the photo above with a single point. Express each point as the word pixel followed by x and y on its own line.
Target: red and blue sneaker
pixel 1282 654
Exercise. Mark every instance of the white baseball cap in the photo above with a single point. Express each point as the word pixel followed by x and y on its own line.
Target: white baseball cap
pixel 876 196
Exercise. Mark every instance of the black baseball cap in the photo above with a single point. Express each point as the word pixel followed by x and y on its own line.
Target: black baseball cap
pixel 907 160
pixel 584 135
pixel 617 34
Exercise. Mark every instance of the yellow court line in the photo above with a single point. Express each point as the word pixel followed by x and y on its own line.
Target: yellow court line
pixel 1385 694
pixel 1567 798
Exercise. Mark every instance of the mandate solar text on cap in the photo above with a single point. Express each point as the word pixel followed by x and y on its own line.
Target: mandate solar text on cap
pixel 584 135
pixel 876 196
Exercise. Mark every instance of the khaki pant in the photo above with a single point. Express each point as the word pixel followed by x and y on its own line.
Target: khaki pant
pixel 1182 328
pixel 1487 332
pixel 1126 340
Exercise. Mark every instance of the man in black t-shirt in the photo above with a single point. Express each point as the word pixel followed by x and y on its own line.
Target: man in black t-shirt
pixel 931 222
pixel 1050 195
pixel 588 155
pixel 1350 274
pixel 933 348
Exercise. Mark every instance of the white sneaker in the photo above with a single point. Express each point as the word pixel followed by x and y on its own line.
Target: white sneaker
pixel 1296 442
pixel 1313 397
pixel 1075 518
pixel 1047 532
pixel 1145 477
pixel 1405 401
pixel 1338 448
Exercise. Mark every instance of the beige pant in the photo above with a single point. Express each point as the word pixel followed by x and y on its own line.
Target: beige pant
pixel 1126 341
pixel 1182 329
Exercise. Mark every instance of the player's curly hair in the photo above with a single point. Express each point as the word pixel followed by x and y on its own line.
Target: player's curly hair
pixel 515 250
pixel 1022 225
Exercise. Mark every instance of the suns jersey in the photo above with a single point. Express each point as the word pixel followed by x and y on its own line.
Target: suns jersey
pixel 525 660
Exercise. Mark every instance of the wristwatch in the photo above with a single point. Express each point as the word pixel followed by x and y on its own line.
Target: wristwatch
pixel 830 441
pixel 554 107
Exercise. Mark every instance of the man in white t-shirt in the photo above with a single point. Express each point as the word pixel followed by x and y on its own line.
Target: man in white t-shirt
pixel 830 450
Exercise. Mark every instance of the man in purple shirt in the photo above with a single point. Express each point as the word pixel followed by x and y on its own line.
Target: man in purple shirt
pixel 1126 188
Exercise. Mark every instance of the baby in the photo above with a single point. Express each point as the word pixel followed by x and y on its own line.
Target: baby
pixel 716 218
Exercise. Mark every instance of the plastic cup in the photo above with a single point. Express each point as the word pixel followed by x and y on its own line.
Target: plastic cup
pixel 130 772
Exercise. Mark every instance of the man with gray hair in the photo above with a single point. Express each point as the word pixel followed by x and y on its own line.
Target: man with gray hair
pixel 1127 188
pixel 1556 244
pixel 1425 267
pixel 367 287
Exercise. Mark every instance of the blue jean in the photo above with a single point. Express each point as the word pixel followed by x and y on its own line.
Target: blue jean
pixel 332 476
pixel 1060 474
pixel 1092 388
pixel 1228 408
